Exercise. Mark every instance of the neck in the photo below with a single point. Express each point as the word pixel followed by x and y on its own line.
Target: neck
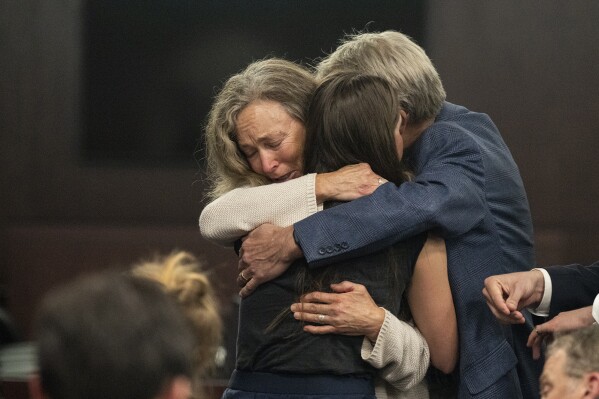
pixel 414 130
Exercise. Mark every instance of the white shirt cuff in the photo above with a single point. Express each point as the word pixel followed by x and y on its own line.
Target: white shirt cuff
pixel 596 309
pixel 543 308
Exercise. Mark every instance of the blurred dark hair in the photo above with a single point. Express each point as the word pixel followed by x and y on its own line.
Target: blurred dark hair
pixel 111 336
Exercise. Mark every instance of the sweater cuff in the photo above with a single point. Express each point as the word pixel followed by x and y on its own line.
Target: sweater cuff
pixel 313 206
pixel 373 353
pixel 596 309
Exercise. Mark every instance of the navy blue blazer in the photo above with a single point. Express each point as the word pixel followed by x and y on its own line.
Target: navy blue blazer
pixel 574 286
pixel 468 189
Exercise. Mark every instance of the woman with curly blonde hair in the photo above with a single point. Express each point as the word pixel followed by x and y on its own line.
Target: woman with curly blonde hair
pixel 182 277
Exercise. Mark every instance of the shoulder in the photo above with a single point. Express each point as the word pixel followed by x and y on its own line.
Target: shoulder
pixel 458 131
pixel 458 123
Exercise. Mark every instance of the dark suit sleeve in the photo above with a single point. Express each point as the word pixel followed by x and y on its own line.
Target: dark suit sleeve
pixel 447 195
pixel 574 286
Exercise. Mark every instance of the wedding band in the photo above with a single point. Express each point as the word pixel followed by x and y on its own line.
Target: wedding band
pixel 242 276
pixel 320 318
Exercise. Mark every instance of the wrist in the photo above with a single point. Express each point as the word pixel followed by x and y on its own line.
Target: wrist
pixel 378 320
pixel 589 318
pixel 538 287
pixel 320 189
pixel 292 247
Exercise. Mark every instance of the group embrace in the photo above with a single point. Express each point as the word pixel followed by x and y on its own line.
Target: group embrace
pixel 367 211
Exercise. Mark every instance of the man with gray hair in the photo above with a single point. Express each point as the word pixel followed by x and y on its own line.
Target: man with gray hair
pixel 572 366
pixel 467 188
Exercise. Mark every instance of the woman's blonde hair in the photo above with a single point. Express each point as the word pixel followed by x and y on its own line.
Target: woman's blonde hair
pixel 272 79
pixel 181 276
pixel 396 58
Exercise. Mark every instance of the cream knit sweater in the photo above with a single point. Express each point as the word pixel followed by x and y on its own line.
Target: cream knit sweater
pixel 400 352
pixel 239 211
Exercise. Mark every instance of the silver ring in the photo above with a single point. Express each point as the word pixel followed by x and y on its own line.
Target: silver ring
pixel 320 318
pixel 242 276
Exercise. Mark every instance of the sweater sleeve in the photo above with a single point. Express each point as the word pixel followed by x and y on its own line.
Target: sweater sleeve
pixel 400 353
pixel 238 212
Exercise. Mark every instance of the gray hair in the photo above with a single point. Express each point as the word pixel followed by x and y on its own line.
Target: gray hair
pixel 581 348
pixel 272 79
pixel 396 58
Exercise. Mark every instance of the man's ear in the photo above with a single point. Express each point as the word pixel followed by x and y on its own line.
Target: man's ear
pixel 35 387
pixel 178 388
pixel 591 383
pixel 404 121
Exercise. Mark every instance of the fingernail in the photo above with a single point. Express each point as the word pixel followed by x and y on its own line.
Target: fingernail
pixel 293 307
pixel 296 315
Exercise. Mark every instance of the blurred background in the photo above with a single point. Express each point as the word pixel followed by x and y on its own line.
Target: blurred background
pixel 102 105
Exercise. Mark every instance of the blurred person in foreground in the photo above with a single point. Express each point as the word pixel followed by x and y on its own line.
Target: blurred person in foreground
pixel 181 275
pixel 112 336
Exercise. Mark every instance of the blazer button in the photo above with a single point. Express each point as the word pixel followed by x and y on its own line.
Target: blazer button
pixel 321 251
pixel 337 247
pixel 344 245
pixel 329 250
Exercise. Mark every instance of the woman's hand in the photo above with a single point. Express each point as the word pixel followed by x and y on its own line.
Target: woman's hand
pixel 350 310
pixel 564 321
pixel 347 183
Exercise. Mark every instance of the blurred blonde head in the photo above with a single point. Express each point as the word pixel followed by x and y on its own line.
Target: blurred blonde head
pixel 180 274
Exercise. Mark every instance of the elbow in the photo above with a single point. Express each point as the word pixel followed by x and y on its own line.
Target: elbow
pixel 445 358
pixel 208 232
pixel 208 225
pixel 205 233
pixel 445 365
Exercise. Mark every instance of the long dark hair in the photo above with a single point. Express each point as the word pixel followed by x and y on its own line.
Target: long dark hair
pixel 352 119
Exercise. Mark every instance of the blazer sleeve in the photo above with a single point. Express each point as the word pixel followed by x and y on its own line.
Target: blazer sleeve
pixel 447 195
pixel 574 286
pixel 400 353
pixel 239 211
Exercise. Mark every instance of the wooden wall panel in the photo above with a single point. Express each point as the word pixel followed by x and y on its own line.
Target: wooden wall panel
pixel 534 68
pixel 37 258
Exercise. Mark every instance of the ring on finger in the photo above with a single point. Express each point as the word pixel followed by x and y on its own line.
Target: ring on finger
pixel 242 276
pixel 320 318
